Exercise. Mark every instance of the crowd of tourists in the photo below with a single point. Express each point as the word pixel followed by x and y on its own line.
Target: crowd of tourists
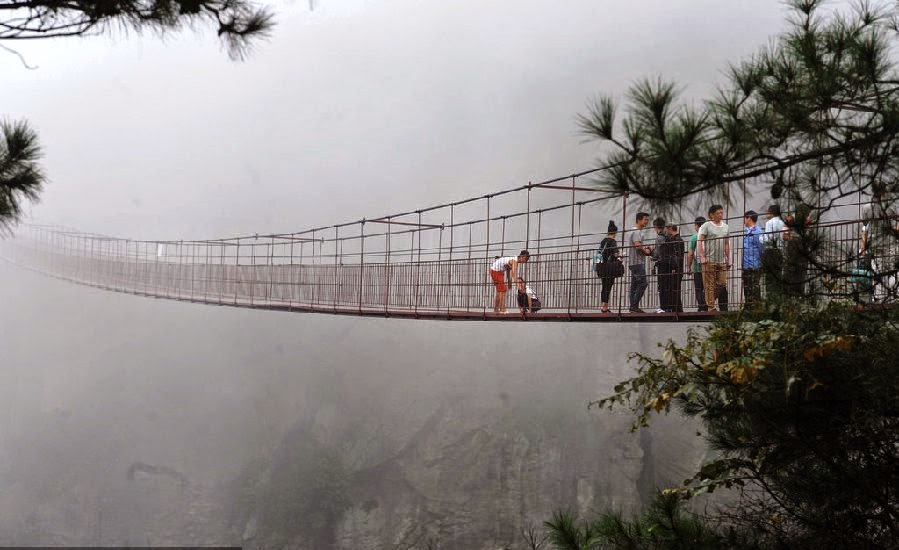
pixel 707 254
pixel 771 258
pixel 705 259
pixel 708 260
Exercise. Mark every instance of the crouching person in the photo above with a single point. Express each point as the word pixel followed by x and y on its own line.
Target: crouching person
pixel 527 298
pixel 507 266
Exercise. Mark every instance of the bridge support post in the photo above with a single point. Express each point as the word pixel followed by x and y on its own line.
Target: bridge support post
pixel 361 262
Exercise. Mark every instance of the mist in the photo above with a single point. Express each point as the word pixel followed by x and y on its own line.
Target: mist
pixel 133 421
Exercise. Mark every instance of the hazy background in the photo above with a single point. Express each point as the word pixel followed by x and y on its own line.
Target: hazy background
pixel 352 109
pixel 357 108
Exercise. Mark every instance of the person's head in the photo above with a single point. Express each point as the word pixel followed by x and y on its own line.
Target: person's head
pixel 524 256
pixel 774 211
pixel 642 219
pixel 520 283
pixel 658 224
pixel 750 217
pixel 716 213
pixel 697 223
pixel 612 229
pixel 672 229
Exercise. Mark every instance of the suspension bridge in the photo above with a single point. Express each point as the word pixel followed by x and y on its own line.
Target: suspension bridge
pixel 428 263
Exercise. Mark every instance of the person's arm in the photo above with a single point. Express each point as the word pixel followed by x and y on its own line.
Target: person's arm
pixel 863 239
pixel 639 248
pixel 700 245
pixel 690 254
pixel 727 250
pixel 513 272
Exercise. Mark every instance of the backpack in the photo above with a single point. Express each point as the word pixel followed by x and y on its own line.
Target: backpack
pixel 535 302
pixel 612 264
pixel 599 259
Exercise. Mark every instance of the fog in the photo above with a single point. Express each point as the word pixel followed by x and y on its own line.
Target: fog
pixel 137 421
pixel 347 108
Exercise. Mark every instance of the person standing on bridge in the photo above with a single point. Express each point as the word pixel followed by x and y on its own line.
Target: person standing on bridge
pixel 662 267
pixel 693 261
pixel 772 253
pixel 714 255
pixel 752 258
pixel 506 266
pixel 608 265
pixel 674 251
pixel 637 263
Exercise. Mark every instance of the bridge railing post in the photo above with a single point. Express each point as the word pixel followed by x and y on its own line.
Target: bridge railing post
pixel 361 263
pixel 387 269
pixel 338 263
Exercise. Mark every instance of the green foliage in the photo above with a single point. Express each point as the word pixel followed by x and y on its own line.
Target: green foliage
pixel 665 525
pixel 237 22
pixel 21 176
pixel 801 404
pixel 815 113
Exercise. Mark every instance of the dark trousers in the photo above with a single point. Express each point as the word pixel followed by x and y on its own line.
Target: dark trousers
pixel 677 304
pixel 700 291
pixel 638 285
pixel 663 269
pixel 772 272
pixel 752 292
pixel 606 292
pixel 795 269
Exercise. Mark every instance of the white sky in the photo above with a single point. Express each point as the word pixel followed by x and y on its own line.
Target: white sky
pixel 356 109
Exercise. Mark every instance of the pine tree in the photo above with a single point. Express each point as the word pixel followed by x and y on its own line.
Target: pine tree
pixel 237 23
pixel 799 397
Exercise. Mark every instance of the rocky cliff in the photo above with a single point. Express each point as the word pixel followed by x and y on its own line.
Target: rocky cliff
pixel 133 421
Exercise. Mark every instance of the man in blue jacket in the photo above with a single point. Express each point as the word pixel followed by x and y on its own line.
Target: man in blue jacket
pixel 752 257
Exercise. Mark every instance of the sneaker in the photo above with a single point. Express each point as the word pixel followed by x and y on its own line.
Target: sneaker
pixel 636 310
pixel 660 310
pixel 605 310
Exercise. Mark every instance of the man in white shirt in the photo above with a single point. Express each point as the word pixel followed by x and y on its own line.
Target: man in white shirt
pixel 714 255
pixel 772 251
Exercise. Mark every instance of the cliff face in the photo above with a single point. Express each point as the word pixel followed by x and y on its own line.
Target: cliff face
pixel 465 444
pixel 132 421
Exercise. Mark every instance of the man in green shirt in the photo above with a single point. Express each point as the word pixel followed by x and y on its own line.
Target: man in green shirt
pixel 714 255
pixel 696 267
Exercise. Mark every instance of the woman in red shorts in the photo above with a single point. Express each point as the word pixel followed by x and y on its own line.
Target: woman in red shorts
pixel 498 270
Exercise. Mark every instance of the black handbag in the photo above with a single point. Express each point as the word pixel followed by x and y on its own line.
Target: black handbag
pixel 617 267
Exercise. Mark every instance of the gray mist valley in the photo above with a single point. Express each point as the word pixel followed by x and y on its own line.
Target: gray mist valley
pixel 133 421
pixel 149 422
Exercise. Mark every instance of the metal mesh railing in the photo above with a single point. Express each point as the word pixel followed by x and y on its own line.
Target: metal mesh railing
pixel 253 274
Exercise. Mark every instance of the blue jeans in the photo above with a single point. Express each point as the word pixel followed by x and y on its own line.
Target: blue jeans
pixel 638 284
